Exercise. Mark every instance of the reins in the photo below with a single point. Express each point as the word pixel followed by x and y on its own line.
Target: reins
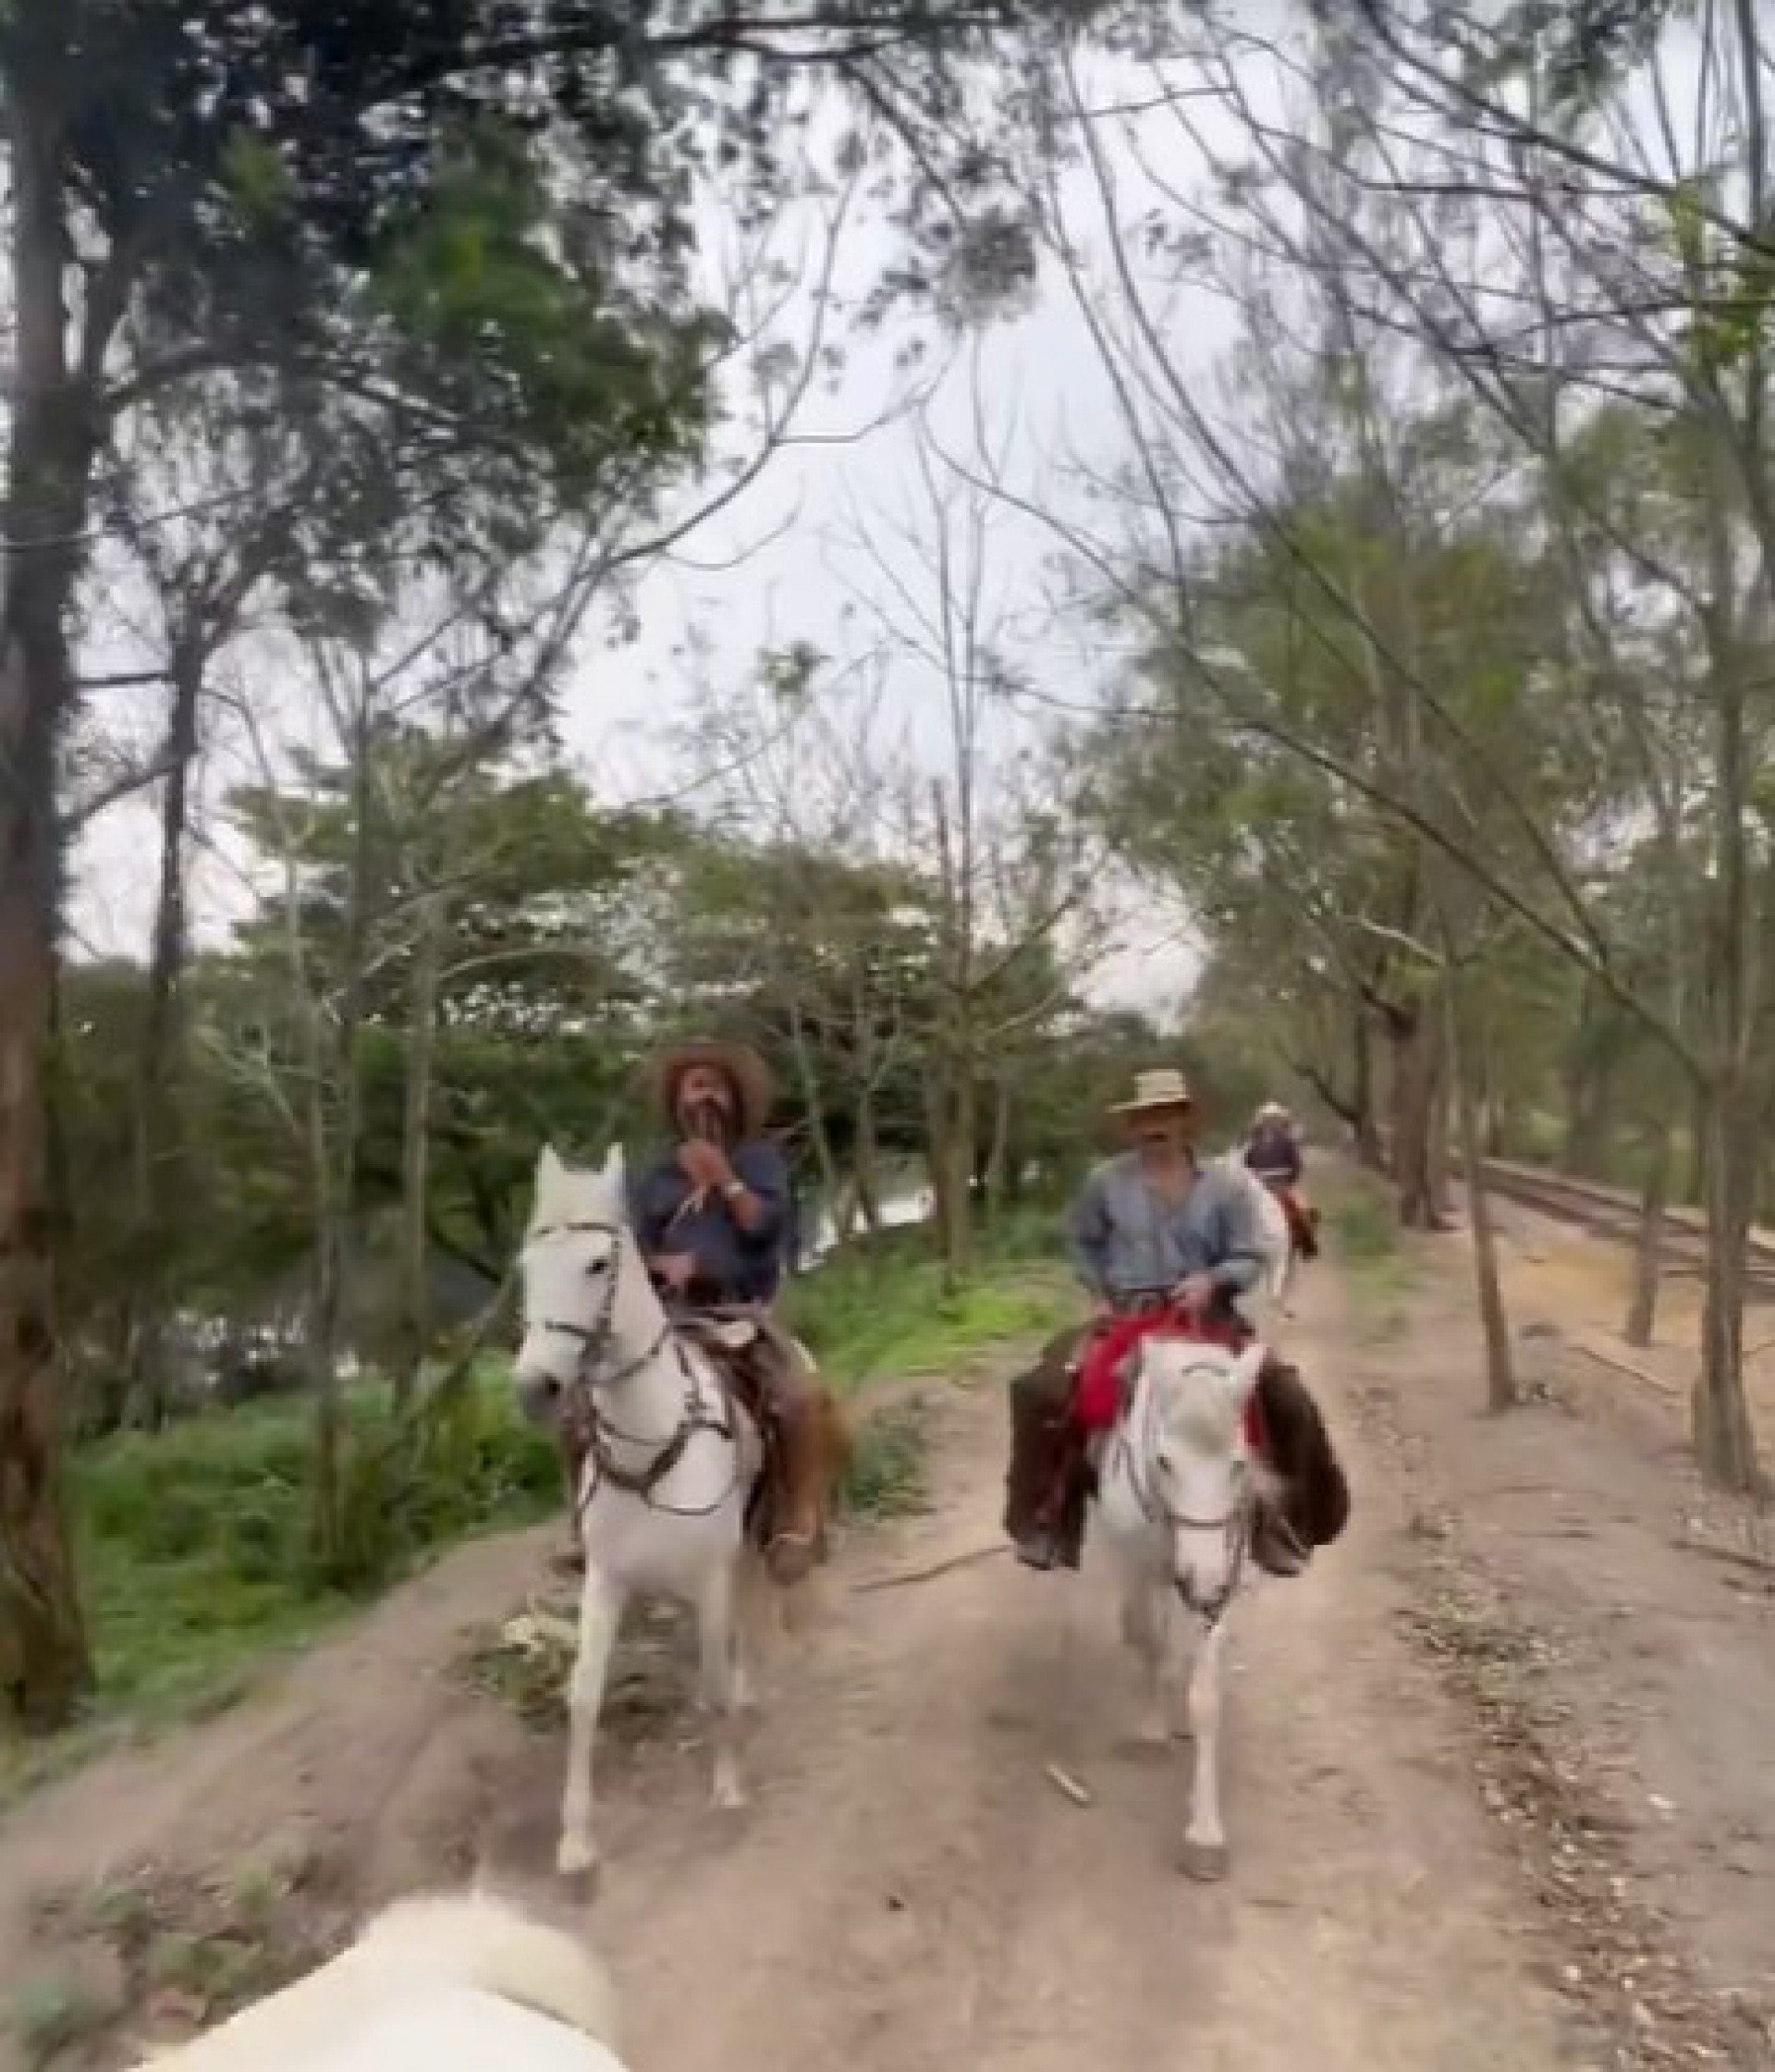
pixel 590 1376
pixel 1236 1523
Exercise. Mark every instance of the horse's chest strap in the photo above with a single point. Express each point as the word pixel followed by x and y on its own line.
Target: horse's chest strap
pixel 643 1481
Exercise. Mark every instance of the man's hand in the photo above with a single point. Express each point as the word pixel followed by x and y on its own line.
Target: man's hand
pixel 1196 1293
pixel 675 1268
pixel 704 1165
pixel 1101 1309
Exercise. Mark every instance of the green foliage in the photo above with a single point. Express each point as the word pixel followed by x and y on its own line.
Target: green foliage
pixel 885 1479
pixel 196 1541
pixel 49 2016
pixel 1361 1220
pixel 881 1308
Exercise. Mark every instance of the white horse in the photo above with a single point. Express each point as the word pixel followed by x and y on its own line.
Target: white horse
pixel 1275 1243
pixel 1178 1488
pixel 669 1471
pixel 453 1983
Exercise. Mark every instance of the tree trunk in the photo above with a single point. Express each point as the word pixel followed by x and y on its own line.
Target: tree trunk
pixel 1500 1371
pixel 1411 1035
pixel 1364 1120
pixel 959 1154
pixel 865 1162
pixel 997 1172
pixel 44 1661
pixel 949 1133
pixel 1725 1447
pixel 1648 1247
pixel 335 1150
pixel 413 1336
pixel 159 1131
pixel 1695 1190
pixel 841 1207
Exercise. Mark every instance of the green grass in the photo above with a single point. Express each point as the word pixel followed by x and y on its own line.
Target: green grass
pixel 195 1549
pixel 48 2015
pixel 883 1309
pixel 886 1474
pixel 1363 1224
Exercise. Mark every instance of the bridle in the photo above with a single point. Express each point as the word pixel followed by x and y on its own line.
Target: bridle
pixel 590 1375
pixel 1235 1523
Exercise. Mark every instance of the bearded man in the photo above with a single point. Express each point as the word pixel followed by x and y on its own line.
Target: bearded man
pixel 713 1216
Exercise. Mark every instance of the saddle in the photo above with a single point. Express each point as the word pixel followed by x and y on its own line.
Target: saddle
pixel 803 1436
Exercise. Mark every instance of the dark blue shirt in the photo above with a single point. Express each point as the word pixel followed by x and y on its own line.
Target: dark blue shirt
pixel 732 1265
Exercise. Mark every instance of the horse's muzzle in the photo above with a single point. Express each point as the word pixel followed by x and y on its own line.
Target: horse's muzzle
pixel 1209 1606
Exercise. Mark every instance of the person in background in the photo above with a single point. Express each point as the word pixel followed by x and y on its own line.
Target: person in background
pixel 1273 1153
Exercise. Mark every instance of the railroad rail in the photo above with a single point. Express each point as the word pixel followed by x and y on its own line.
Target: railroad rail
pixel 1613 1213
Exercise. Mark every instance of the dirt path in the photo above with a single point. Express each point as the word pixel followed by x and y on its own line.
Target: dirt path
pixel 908 1891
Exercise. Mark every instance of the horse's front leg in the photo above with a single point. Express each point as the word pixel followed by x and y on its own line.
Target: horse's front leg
pixel 1145 1623
pixel 719 1643
pixel 1204 1840
pixel 601 1603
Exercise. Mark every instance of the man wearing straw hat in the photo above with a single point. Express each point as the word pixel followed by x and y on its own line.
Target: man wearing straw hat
pixel 714 1217
pixel 1153 1229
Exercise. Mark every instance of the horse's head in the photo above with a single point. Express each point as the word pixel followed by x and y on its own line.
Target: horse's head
pixel 581 1272
pixel 1200 1463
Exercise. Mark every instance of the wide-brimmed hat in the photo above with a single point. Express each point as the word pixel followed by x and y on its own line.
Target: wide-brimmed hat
pixel 741 1063
pixel 1164 1087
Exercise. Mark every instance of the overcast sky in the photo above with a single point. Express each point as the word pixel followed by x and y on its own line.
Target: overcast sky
pixel 794 560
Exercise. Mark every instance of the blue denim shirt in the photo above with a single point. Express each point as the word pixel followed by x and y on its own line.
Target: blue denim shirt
pixel 1126 1240
pixel 732 1265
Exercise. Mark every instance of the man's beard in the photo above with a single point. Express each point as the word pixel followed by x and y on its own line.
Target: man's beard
pixel 708 1120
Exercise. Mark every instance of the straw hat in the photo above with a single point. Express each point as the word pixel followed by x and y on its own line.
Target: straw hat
pixel 741 1064
pixel 1164 1087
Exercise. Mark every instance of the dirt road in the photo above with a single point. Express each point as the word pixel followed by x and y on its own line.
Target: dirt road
pixel 908 1890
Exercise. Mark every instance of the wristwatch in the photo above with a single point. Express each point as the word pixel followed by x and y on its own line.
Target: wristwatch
pixel 733 1190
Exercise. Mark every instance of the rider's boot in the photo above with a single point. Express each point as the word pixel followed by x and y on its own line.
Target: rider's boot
pixel 798 1524
pixel 1275 1546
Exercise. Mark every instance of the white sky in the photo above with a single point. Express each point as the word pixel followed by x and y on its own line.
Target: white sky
pixel 783 564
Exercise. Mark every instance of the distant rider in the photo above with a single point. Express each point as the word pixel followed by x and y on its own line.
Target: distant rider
pixel 1273 1153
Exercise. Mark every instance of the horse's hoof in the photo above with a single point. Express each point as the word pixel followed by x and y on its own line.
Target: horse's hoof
pixel 1206 1862
pixel 577 1859
pixel 726 1794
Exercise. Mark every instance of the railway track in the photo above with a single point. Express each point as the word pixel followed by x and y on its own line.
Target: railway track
pixel 1613 1213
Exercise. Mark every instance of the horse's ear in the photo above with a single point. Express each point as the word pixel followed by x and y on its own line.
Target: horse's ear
pixel 549 1169
pixel 614 1168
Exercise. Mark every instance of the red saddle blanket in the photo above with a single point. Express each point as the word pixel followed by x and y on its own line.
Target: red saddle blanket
pixel 1096 1398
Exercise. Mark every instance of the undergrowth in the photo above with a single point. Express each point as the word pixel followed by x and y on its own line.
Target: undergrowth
pixel 884 1308
pixel 1364 1228
pixel 195 1552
